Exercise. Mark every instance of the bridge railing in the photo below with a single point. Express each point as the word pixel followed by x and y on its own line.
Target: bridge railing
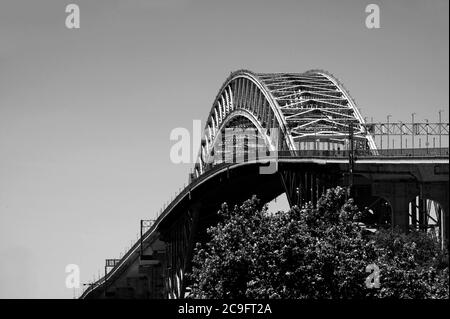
pixel 404 153
pixel 360 153
pixel 357 153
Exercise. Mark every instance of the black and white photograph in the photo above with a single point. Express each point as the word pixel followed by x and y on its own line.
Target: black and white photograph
pixel 225 156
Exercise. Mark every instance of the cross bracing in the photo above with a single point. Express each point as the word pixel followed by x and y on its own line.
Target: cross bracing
pixel 300 107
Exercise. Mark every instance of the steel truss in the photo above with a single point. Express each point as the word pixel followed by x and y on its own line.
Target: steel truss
pixel 309 110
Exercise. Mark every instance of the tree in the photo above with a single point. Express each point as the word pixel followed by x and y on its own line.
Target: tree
pixel 312 252
pixel 412 265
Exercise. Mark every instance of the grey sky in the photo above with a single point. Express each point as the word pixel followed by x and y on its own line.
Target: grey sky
pixel 85 115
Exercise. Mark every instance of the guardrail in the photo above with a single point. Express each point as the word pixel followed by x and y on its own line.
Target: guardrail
pixel 358 153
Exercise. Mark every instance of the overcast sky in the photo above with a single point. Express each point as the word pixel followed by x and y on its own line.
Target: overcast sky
pixel 85 115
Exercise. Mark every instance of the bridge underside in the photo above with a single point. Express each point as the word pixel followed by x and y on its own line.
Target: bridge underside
pixel 396 193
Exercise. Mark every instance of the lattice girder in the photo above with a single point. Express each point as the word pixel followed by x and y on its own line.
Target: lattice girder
pixel 303 107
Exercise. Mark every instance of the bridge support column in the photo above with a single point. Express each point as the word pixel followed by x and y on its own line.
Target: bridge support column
pixel 302 187
pixel 194 221
pixel 399 195
pixel 180 239
pixel 438 192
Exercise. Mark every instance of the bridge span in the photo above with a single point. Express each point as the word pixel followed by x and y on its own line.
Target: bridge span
pixel 298 134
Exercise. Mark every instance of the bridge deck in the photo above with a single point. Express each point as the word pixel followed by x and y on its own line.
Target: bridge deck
pixel 366 158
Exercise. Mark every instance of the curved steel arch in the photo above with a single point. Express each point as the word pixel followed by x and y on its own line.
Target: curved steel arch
pixel 352 103
pixel 310 107
pixel 253 119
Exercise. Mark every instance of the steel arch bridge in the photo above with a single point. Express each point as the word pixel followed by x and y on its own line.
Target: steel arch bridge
pixel 311 127
pixel 305 109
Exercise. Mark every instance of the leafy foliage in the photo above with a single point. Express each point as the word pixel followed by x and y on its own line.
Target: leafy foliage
pixel 412 265
pixel 313 252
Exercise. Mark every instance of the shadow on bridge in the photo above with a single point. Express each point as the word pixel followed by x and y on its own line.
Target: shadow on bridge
pixel 385 187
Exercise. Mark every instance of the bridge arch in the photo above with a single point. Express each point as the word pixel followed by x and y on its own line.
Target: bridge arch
pixel 247 121
pixel 304 108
